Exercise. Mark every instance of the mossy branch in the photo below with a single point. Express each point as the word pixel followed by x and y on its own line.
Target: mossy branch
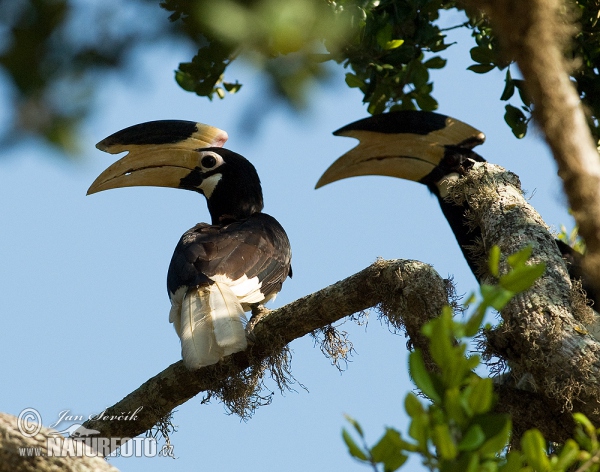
pixel 409 292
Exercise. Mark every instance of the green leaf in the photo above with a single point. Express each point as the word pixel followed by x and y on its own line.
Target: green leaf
pixel 419 75
pixel 481 68
pixel 393 44
pixel 388 450
pixel 567 456
pixel 474 322
pixel 533 445
pixel 435 62
pixel 353 448
pixel 482 55
pixel 521 257
pixel 377 104
pixel 481 395
pixel 426 102
pixel 473 439
pixel 496 297
pixel 419 430
pixel 421 376
pixel 185 81
pixel 384 35
pixel 497 428
pixel 522 278
pixel 412 405
pixel 444 443
pixel 453 404
pixel 587 425
pixel 465 462
pixel 232 88
pixel 355 424
pixel 516 120
pixel 513 462
pixel 509 88
pixel 353 81
pixel 520 84
pixel 494 260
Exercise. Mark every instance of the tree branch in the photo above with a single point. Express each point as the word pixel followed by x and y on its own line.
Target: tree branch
pixel 543 337
pixel 19 453
pixel 536 34
pixel 409 293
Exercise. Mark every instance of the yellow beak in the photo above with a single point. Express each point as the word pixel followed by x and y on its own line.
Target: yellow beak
pixel 161 153
pixel 407 145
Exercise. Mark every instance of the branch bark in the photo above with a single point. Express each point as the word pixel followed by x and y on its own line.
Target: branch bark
pixel 409 292
pixel 545 335
pixel 542 337
pixel 19 453
pixel 536 34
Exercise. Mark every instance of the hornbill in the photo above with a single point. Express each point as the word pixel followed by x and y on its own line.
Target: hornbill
pixel 434 150
pixel 218 271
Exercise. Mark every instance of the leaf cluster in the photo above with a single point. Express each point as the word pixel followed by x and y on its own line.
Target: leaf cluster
pixel 386 44
pixel 584 54
pixel 457 430
pixel 52 53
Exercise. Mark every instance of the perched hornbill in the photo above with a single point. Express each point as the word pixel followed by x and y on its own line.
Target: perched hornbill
pixel 219 270
pixel 432 149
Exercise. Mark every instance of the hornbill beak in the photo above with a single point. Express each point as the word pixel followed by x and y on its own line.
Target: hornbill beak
pixel 405 144
pixel 161 153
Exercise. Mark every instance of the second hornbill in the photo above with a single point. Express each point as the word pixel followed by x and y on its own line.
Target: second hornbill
pixel 432 149
pixel 218 271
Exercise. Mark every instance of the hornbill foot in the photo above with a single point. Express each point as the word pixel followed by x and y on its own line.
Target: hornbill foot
pixel 258 313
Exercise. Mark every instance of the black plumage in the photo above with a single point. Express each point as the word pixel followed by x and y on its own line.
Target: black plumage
pixel 219 270
pixel 245 247
pixel 428 148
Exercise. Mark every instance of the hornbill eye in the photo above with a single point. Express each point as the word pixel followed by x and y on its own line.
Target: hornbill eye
pixel 210 160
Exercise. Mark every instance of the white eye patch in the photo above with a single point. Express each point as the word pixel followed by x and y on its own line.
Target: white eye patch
pixel 209 160
pixel 208 185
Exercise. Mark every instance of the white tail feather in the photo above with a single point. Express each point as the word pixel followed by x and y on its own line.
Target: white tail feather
pixel 212 325
pixel 229 319
pixel 198 345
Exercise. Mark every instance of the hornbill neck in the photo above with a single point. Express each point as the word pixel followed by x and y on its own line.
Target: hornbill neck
pixel 456 163
pixel 234 199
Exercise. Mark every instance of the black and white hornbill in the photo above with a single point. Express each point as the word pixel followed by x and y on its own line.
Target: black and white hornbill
pixel 219 270
pixel 432 149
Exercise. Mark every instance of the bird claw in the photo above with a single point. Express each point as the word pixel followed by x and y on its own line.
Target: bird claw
pixel 258 313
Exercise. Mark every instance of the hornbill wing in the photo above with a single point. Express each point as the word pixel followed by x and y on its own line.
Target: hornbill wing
pixel 219 270
pixel 252 256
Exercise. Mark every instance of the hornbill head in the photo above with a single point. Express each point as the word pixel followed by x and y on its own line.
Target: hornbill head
pixel 184 155
pixel 421 146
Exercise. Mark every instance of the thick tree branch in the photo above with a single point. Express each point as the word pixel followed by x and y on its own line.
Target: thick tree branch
pixel 545 334
pixel 536 34
pixel 408 292
pixel 543 338
pixel 19 453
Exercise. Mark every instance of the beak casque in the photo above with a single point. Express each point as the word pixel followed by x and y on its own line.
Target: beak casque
pixel 403 144
pixel 160 153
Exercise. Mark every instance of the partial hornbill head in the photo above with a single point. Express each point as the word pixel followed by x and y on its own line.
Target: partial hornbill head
pixel 184 155
pixel 414 145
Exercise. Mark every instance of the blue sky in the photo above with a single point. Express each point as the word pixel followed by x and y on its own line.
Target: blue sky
pixel 83 278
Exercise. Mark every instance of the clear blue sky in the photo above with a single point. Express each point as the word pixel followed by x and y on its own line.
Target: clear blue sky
pixel 84 302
